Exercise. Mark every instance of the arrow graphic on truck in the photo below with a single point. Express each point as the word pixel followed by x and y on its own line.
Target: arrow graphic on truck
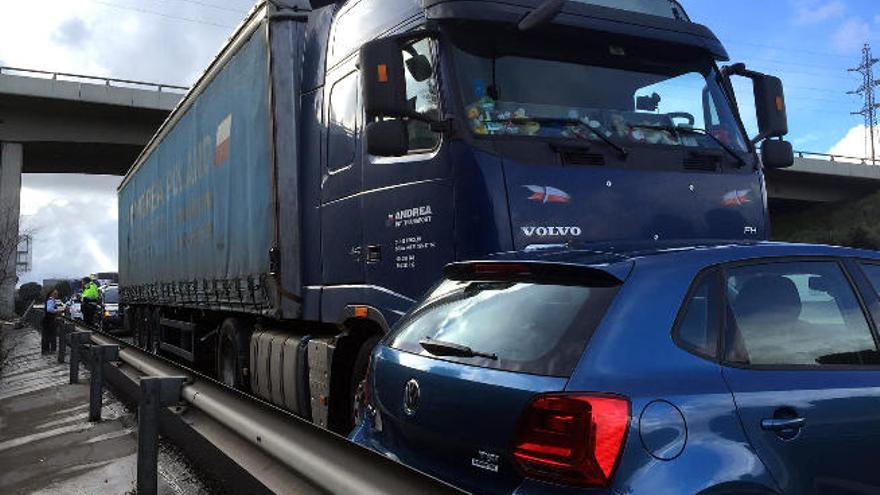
pixel 548 194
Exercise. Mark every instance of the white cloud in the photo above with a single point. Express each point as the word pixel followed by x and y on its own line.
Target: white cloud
pixel 72 32
pixel 75 216
pixel 853 143
pixel 852 35
pixel 75 222
pixel 813 12
pixel 123 39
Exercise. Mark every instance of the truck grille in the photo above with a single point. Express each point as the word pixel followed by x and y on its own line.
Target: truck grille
pixel 582 158
pixel 702 161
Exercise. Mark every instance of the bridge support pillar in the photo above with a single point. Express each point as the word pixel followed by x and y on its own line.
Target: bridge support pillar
pixel 10 193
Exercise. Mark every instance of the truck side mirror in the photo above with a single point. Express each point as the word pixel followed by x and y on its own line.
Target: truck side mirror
pixel 384 79
pixel 770 107
pixel 777 154
pixel 387 138
pixel 769 101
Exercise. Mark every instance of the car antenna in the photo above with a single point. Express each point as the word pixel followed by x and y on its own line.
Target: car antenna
pixel 545 13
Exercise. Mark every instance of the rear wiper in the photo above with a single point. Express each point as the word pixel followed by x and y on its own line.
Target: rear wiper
pixel 596 132
pixel 693 130
pixel 440 348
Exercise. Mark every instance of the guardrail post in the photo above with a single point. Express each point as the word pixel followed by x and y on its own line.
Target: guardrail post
pixel 64 329
pixel 99 354
pixel 156 392
pixel 77 340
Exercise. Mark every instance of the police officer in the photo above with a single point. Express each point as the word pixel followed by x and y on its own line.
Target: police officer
pixel 48 341
pixel 90 299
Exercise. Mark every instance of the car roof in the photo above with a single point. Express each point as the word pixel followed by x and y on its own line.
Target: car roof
pixel 706 253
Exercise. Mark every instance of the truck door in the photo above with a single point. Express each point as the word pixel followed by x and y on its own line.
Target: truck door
pixel 342 179
pixel 803 374
pixel 408 216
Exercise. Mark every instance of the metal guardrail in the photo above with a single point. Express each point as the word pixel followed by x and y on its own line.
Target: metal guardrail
pixel 107 81
pixel 320 460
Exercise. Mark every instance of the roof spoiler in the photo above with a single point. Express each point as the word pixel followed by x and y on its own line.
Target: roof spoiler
pixel 303 5
pixel 532 271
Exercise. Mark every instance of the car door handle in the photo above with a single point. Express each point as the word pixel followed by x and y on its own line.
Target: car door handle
pixel 781 424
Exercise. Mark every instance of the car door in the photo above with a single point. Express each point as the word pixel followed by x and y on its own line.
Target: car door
pixel 342 180
pixel 408 200
pixel 801 361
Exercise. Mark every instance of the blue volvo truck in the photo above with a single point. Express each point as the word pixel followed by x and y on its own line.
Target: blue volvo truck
pixel 336 155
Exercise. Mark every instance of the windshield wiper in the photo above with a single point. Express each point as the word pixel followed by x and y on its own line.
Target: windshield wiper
pixel 596 132
pixel 693 130
pixel 440 348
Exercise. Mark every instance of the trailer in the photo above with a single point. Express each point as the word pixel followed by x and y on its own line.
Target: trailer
pixel 336 155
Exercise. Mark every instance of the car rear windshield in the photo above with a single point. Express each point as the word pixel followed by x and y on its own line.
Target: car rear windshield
pixel 515 326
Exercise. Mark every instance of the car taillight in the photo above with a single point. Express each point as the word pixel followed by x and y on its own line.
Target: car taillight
pixel 572 439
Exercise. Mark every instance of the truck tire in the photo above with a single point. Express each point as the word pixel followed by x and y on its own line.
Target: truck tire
pixel 152 327
pixel 359 373
pixel 132 323
pixel 233 345
pixel 129 324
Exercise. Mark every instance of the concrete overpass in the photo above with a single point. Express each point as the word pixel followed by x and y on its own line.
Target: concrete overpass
pixel 69 123
pixel 821 178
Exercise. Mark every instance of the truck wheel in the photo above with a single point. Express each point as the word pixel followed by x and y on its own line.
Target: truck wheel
pixel 358 383
pixel 232 353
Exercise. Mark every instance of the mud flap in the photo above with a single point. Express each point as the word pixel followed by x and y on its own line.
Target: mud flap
pixel 320 358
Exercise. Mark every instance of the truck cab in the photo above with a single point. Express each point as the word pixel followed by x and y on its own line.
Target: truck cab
pixel 466 128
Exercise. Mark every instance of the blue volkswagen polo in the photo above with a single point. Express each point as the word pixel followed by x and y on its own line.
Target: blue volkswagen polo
pixel 722 369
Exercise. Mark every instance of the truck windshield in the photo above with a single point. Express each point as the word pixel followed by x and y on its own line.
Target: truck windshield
pixel 631 100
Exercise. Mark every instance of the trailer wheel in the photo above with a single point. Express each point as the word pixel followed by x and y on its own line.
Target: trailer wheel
pixel 232 353
pixel 358 382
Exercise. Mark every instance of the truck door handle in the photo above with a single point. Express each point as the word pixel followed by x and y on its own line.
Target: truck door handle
pixel 782 424
pixel 374 254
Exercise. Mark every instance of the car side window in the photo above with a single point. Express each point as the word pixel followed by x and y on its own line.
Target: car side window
pixel 343 122
pixel 873 274
pixel 699 320
pixel 422 94
pixel 796 313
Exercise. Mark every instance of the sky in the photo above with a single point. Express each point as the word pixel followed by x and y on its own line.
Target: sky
pixel 810 44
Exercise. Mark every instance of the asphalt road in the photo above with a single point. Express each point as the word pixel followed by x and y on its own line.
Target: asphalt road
pixel 47 445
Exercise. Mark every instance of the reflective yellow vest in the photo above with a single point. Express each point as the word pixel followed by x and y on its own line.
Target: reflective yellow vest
pixel 91 292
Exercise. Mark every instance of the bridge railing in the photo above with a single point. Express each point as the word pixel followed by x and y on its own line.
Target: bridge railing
pixel 835 158
pixel 107 81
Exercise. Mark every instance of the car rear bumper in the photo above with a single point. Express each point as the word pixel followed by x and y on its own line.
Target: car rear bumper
pixel 364 436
